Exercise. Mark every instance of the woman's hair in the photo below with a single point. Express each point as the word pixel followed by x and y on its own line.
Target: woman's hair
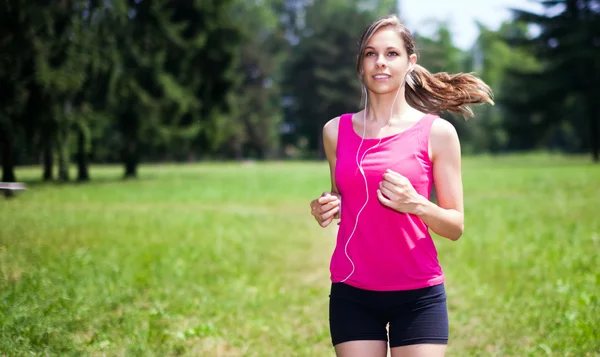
pixel 425 91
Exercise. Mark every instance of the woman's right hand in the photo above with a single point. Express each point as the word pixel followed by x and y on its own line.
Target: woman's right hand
pixel 325 208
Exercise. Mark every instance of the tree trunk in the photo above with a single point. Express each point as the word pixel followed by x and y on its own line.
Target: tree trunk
pixel 83 174
pixel 6 148
pixel 131 159
pixel 48 161
pixel 130 152
pixel 63 158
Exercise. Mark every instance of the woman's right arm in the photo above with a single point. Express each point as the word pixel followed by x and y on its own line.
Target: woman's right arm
pixel 327 207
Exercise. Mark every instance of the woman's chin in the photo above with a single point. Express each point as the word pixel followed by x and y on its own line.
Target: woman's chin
pixel 383 88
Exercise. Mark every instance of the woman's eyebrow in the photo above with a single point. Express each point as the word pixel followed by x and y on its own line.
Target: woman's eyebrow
pixel 388 48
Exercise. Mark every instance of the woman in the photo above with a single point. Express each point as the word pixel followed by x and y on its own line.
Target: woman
pixel 387 285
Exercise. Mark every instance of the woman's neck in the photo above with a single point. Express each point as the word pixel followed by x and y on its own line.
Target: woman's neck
pixel 381 108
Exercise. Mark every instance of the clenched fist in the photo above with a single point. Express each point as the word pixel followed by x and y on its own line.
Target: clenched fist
pixel 325 208
pixel 396 192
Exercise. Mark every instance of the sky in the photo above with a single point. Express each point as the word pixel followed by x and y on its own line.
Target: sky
pixel 461 15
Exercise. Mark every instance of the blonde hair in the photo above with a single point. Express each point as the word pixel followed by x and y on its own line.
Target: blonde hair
pixel 425 91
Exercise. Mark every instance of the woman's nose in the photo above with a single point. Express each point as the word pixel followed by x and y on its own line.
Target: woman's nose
pixel 380 61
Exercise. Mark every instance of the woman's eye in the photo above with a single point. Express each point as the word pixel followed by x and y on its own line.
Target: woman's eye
pixel 369 54
pixel 393 53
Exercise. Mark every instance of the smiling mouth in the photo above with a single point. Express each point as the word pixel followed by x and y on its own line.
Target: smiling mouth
pixel 381 77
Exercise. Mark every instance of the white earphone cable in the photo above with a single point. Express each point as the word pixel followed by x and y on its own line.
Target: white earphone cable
pixel 360 168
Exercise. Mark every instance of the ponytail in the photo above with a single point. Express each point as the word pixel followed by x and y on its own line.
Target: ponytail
pixel 439 92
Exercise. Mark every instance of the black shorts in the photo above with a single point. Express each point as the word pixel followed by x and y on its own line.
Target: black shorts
pixel 414 316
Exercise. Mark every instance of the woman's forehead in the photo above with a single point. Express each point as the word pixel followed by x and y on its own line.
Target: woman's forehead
pixel 384 38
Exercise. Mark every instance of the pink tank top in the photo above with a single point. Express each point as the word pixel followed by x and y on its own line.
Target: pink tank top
pixel 388 250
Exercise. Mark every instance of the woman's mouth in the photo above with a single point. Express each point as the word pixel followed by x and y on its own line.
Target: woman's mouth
pixel 381 77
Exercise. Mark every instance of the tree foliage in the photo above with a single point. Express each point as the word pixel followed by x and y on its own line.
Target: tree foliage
pixel 129 81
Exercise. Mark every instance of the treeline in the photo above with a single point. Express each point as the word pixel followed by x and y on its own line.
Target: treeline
pixel 130 81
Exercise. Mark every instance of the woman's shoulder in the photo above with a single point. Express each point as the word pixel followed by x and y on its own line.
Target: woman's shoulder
pixel 330 132
pixel 442 129
pixel 332 126
pixel 443 137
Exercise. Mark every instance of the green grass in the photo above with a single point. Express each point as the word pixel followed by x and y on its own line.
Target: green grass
pixel 225 260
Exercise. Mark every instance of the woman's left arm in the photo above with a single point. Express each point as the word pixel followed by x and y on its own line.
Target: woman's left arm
pixel 447 217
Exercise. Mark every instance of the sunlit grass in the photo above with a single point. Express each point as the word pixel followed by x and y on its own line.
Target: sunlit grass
pixel 225 260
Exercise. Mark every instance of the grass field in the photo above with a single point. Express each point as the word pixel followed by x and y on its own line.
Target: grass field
pixel 225 260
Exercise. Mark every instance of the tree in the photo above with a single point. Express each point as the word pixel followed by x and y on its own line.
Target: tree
pixel 256 112
pixel 322 81
pixel 171 75
pixel 16 52
pixel 61 63
pixel 439 54
pixel 492 58
pixel 562 96
pixel 47 63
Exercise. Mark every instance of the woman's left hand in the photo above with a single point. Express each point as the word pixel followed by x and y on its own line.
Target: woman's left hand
pixel 396 191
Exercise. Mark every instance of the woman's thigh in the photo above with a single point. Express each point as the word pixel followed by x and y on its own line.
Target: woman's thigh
pixel 423 321
pixel 353 318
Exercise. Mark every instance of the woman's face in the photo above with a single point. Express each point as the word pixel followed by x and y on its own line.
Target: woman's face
pixel 385 62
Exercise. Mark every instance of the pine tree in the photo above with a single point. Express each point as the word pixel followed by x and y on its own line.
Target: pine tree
pixel 563 96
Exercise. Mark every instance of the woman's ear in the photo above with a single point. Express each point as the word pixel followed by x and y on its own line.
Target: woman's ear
pixel 412 62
